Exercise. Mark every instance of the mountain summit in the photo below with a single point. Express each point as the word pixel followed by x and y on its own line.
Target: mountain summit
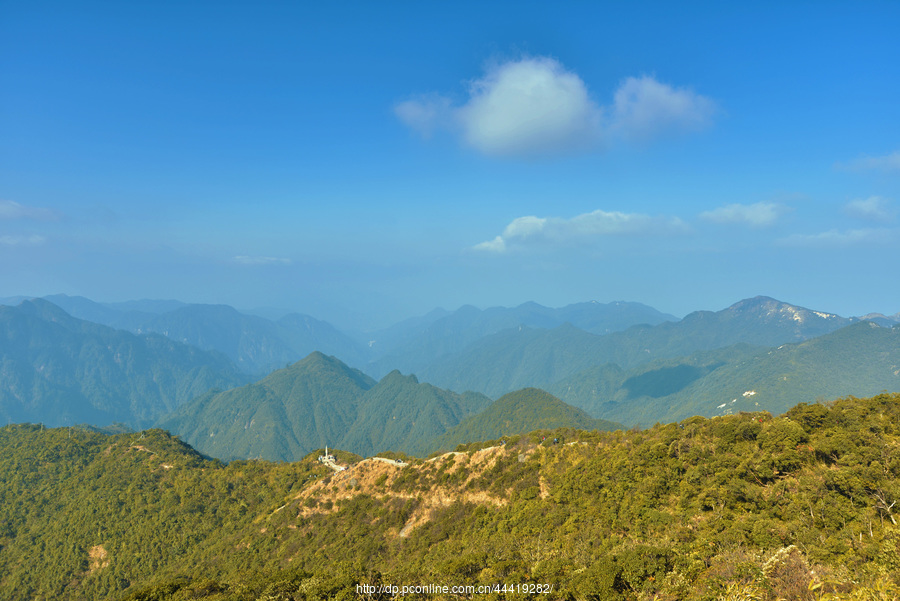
pixel 520 412
pixel 282 417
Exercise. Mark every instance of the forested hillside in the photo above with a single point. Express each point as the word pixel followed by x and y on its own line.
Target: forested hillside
pixel 862 358
pixel 747 506
pixel 316 402
pixel 517 413
pixel 60 370
pixel 282 417
pixel 402 414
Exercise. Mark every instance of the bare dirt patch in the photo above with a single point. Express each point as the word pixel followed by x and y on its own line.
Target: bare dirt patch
pixel 98 557
pixel 360 478
pixel 374 477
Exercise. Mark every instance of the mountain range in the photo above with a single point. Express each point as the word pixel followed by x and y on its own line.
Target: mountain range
pixel 522 356
pixel 187 367
pixel 412 346
pixel 256 345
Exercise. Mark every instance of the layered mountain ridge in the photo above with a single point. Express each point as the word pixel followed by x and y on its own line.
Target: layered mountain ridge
pixel 759 353
pixel 57 369
pixel 541 357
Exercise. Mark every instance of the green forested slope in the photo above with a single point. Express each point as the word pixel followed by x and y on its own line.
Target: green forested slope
pixel 861 358
pixel 59 370
pixel 518 413
pixel 319 402
pixel 747 506
pixel 83 514
pixel 402 414
pixel 307 405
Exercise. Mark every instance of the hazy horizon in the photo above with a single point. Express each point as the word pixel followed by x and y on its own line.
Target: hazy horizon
pixel 365 163
pixel 347 322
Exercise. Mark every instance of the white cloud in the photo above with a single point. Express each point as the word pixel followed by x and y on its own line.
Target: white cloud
pixel 13 210
pixel 531 230
pixel 890 162
pixel 535 107
pixel 644 108
pixel 874 208
pixel 31 240
pixel 247 260
pixel 759 214
pixel 529 107
pixel 833 238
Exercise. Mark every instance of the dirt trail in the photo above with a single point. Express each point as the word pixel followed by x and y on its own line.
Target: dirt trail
pixel 375 475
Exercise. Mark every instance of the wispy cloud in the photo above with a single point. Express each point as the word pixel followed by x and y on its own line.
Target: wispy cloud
pixel 836 238
pixel 759 214
pixel 644 108
pixel 889 162
pixel 12 210
pixel 536 107
pixel 425 114
pixel 497 245
pixel 31 240
pixel 874 208
pixel 248 260
pixel 531 230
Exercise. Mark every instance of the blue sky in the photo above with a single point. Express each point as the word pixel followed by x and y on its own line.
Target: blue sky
pixel 364 162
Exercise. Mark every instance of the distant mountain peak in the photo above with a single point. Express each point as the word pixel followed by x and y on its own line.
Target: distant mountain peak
pixel 755 302
pixel 45 310
pixel 778 309
pixel 395 375
pixel 530 305
pixel 319 358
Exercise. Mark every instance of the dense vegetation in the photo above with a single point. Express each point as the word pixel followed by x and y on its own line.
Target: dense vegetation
pixel 83 514
pixel 316 402
pixel 321 401
pixel 518 413
pixel 60 370
pixel 402 414
pixel 306 405
pixel 746 506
